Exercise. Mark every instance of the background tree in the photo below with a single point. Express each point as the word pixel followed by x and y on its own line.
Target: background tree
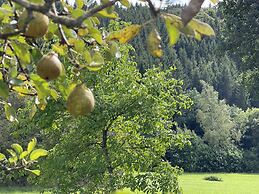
pixel 122 143
pixel 240 40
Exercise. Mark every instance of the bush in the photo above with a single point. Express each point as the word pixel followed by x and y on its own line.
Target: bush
pixel 200 157
pixel 213 178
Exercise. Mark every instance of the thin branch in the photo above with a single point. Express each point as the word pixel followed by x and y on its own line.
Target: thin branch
pixel 18 167
pixel 104 145
pixel 63 36
pixel 18 62
pixel 64 20
pixel 152 8
pixel 95 10
pixel 34 6
pixel 2 61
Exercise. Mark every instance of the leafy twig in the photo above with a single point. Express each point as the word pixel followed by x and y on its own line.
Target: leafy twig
pixel 17 32
pixel 18 62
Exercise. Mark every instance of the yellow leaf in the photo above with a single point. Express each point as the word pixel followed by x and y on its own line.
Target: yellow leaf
pixel 126 3
pixel 153 44
pixel 59 49
pixel 22 90
pixel 126 34
pixel 197 36
pixel 104 13
pixel 173 31
pixel 83 32
pixel 214 1
pixel 201 27
pixel 190 28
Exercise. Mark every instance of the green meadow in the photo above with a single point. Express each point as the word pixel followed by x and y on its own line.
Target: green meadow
pixel 192 183
pixel 231 184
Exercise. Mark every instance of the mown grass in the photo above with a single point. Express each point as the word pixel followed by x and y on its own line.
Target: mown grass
pixel 20 190
pixel 193 183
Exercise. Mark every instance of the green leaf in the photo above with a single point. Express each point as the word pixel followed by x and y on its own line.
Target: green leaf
pixel 4 90
pixel 77 12
pixel 32 111
pixel 13 159
pixel 10 112
pixel 35 154
pixel 16 82
pixel 43 89
pixel 31 145
pixel 173 32
pixel 96 34
pixel 2 157
pixel 97 62
pixel 87 56
pixel 22 51
pixel 12 152
pixel 79 45
pixel 126 34
pixel 114 49
pixel 24 154
pixel 79 3
pixel 17 148
pixel 36 172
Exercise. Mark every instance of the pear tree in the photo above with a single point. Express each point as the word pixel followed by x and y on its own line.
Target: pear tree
pixel 46 46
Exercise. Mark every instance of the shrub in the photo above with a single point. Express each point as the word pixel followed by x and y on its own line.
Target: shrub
pixel 213 178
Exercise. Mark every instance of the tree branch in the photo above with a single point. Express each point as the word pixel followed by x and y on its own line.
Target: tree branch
pixel 152 8
pixel 104 145
pixel 64 20
pixel 2 61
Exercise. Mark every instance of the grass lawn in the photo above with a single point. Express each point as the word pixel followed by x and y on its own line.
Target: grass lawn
pixel 19 190
pixel 232 184
pixel 192 183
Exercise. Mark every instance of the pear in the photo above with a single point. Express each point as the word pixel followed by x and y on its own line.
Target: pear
pixel 49 67
pixel 80 101
pixel 37 27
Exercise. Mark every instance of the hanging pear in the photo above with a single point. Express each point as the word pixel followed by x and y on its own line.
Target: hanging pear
pixel 49 67
pixel 81 101
pixel 37 27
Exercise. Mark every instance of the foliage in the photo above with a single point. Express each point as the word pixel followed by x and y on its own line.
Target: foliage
pixel 240 39
pixel 71 34
pixel 123 141
pixel 32 33
pixel 20 159
pixel 216 133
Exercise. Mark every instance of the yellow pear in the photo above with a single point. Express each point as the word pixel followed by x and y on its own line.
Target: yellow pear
pixel 37 27
pixel 80 101
pixel 49 67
